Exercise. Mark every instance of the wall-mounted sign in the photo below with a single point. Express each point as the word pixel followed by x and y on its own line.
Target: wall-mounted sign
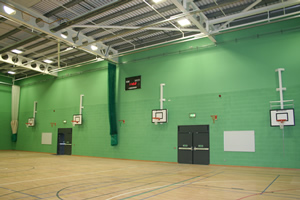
pixel 132 83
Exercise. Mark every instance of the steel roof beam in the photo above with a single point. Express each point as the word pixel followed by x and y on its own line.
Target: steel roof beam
pixel 21 43
pixel 113 15
pixel 153 41
pixel 132 19
pixel 210 5
pixel 254 12
pixel 137 27
pixel 27 63
pixel 244 10
pixel 81 59
pixel 37 44
pixel 93 13
pixel 137 35
pixel 45 29
pixel 183 6
pixel 219 14
pixel 60 9
pixel 121 32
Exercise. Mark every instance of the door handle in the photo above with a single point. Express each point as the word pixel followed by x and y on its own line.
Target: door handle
pixel 201 149
pixel 186 148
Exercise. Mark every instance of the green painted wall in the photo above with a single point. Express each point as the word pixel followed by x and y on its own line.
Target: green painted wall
pixel 5 115
pixel 241 68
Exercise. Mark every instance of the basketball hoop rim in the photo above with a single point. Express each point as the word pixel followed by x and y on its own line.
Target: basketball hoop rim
pixel 281 120
pixel 156 118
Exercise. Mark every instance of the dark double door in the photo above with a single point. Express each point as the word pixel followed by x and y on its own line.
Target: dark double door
pixel 193 144
pixel 64 141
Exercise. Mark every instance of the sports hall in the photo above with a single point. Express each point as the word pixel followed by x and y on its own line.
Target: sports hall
pixel 118 99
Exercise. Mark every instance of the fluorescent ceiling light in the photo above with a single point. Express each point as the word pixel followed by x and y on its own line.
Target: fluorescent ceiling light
pixel 94 48
pixel 157 1
pixel 184 22
pixel 17 51
pixel 48 61
pixel 9 10
pixel 11 72
pixel 63 36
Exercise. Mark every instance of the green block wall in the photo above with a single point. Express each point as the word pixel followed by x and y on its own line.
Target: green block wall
pixel 5 115
pixel 241 68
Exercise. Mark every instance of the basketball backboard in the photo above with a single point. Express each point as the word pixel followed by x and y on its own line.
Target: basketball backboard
pixel 276 116
pixel 77 119
pixel 162 114
pixel 30 122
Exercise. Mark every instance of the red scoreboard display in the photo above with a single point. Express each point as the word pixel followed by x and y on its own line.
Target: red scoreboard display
pixel 132 83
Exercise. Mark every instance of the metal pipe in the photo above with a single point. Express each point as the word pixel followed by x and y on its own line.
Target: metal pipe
pixel 245 10
pixel 34 108
pixel 58 54
pixel 80 106
pixel 167 43
pixel 162 95
pixel 5 83
pixel 137 27
pixel 280 89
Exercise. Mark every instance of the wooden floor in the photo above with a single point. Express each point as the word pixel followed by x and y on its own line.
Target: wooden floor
pixel 27 175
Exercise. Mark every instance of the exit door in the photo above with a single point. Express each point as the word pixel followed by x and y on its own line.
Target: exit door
pixel 193 144
pixel 64 141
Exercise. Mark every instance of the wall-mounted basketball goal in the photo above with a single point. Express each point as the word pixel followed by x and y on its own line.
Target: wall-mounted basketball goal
pixel 160 115
pixel 77 118
pixel 282 111
pixel 31 121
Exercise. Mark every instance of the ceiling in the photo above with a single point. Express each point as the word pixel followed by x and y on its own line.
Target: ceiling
pixel 72 32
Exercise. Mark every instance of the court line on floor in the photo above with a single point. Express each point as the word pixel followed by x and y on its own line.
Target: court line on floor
pixel 270 184
pixel 136 179
pixel 273 192
pixel 155 188
pixel 21 193
pixel 182 186
pixel 59 177
pixel 133 176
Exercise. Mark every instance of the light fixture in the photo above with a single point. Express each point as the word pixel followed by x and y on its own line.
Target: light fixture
pixel 94 48
pixel 157 1
pixel 11 72
pixel 63 36
pixel 48 61
pixel 184 22
pixel 9 10
pixel 99 59
pixel 17 51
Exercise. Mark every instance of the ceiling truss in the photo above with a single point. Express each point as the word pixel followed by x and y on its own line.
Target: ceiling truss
pixel 107 29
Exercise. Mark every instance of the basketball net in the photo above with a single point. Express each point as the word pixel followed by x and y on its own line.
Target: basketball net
pixel 281 121
pixel 27 124
pixel 156 120
pixel 75 122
